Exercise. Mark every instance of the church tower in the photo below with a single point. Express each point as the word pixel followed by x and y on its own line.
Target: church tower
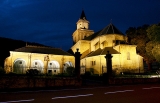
pixel 82 23
pixel 82 28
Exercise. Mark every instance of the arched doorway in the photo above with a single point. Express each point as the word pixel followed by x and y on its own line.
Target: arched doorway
pixel 53 67
pixel 38 64
pixel 19 66
pixel 67 64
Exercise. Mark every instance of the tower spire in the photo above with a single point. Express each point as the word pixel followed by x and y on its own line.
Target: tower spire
pixel 82 28
pixel 83 16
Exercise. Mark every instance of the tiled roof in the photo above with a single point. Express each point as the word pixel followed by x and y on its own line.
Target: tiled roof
pixel 103 51
pixel 110 29
pixel 84 54
pixel 43 50
pixel 92 36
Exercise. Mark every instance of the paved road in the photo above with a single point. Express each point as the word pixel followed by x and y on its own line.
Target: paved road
pixel 110 94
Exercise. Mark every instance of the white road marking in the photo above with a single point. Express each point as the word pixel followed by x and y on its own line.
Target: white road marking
pixel 152 88
pixel 73 96
pixel 29 100
pixel 119 91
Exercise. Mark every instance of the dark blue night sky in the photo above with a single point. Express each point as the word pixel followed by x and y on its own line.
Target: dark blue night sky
pixel 52 22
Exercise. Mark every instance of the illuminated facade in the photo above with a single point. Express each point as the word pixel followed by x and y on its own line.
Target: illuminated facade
pixel 94 46
pixel 44 59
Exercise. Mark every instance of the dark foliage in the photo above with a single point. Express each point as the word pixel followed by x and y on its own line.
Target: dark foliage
pixel 2 71
pixel 138 36
pixel 32 72
pixel 70 71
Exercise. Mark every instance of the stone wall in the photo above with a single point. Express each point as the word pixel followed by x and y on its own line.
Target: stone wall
pixel 121 81
pixel 24 82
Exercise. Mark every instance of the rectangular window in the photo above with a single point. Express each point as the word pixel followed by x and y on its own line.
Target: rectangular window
pixel 93 63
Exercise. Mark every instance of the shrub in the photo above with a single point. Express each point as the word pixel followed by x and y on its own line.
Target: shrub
pixel 2 71
pixel 91 71
pixel 70 71
pixel 32 72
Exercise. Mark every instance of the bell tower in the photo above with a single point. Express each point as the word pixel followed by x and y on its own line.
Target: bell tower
pixel 82 23
pixel 82 29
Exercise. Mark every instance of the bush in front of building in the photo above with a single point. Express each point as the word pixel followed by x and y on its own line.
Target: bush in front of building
pixel 2 71
pixel 70 71
pixel 32 72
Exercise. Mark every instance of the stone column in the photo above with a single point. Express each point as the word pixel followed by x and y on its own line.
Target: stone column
pixel 46 58
pixel 109 65
pixel 77 63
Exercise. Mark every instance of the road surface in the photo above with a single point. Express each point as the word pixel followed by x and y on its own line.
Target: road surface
pixel 142 93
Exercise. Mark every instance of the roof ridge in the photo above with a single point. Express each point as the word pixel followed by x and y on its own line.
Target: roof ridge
pixel 102 51
pixel 103 30
pixel 38 46
pixel 112 27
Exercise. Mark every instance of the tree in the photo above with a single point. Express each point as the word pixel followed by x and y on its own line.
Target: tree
pixel 138 36
pixel 149 55
pixel 3 56
pixel 156 52
pixel 153 33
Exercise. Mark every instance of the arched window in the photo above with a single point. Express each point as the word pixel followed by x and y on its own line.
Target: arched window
pixel 37 64
pixel 53 67
pixel 67 64
pixel 19 66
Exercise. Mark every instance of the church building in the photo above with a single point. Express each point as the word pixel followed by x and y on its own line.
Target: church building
pixel 92 45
